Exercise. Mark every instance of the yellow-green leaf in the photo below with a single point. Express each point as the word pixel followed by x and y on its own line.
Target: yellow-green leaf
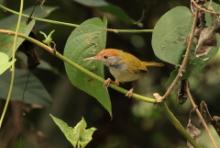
pixel 4 62
pixel 78 135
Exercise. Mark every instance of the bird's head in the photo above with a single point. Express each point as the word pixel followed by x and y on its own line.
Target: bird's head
pixel 110 57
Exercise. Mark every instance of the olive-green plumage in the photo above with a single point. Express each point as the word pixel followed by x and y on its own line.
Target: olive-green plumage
pixel 135 64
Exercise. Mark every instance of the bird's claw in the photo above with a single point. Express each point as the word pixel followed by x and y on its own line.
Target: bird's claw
pixel 107 82
pixel 129 93
pixel 116 82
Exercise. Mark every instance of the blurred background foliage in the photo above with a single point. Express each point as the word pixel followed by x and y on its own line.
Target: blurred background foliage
pixel 134 124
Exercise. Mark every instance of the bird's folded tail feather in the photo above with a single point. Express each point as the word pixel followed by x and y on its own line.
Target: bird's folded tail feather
pixel 153 64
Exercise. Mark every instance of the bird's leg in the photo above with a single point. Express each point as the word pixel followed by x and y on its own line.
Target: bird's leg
pixel 116 82
pixel 129 93
pixel 108 81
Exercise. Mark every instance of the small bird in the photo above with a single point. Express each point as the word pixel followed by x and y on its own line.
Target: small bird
pixel 124 66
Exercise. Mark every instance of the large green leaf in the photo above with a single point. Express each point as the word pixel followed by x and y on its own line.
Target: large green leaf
pixel 110 8
pixel 27 88
pixel 170 34
pixel 85 41
pixel 78 136
pixel 25 27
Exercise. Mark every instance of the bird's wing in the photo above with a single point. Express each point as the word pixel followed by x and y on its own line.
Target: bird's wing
pixel 134 64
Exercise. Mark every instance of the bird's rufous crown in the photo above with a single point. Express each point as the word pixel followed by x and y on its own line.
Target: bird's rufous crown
pixel 108 52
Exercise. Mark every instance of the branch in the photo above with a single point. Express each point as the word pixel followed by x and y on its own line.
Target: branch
pixel 183 65
pixel 77 66
pixel 13 65
pixel 178 125
pixel 170 115
pixel 75 25
pixel 200 116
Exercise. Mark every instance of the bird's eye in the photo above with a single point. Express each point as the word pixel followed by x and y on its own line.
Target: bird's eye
pixel 105 57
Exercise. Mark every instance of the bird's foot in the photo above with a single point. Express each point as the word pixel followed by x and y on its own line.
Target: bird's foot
pixel 129 93
pixel 107 82
pixel 116 82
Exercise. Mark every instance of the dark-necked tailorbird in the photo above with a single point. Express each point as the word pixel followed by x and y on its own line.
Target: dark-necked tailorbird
pixel 124 66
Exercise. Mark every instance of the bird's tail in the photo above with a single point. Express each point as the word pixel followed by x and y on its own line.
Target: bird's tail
pixel 153 64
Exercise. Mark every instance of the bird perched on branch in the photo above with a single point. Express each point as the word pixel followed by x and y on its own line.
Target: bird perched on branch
pixel 124 66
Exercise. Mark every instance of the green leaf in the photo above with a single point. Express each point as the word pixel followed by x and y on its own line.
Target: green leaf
pixel 85 41
pixel 170 34
pixel 40 11
pixel 27 88
pixel 25 28
pixel 7 41
pixel 4 62
pixel 78 136
pixel 204 139
pixel 110 8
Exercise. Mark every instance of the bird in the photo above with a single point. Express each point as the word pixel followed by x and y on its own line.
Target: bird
pixel 123 66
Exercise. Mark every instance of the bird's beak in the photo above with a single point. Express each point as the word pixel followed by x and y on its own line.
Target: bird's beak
pixel 91 58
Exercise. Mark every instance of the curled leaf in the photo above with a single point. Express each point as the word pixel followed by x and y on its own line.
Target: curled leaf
pixel 78 135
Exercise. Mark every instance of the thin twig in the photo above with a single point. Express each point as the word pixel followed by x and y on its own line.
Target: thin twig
pixel 204 9
pixel 75 25
pixel 183 65
pixel 200 116
pixel 13 65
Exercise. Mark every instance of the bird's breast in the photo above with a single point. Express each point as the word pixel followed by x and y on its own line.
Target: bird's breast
pixel 122 74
